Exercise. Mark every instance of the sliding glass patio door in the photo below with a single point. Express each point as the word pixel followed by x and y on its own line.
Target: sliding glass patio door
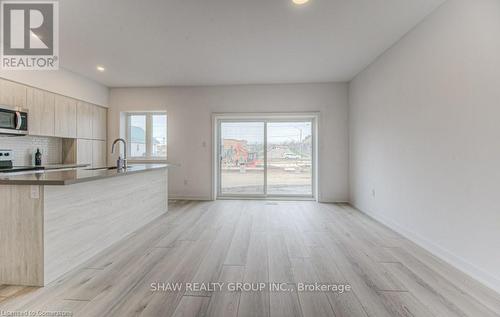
pixel 265 158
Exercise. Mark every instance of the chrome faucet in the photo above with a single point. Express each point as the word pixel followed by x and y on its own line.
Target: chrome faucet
pixel 122 162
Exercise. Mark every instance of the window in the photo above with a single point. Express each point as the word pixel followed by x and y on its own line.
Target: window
pixel 147 135
pixel 265 156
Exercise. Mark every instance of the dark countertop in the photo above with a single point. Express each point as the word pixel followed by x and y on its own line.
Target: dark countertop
pixel 74 176
pixel 63 166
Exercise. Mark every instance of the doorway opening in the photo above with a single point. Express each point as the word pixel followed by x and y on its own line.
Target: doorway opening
pixel 271 156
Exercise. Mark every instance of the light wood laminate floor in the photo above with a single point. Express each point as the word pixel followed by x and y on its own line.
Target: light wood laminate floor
pixel 259 241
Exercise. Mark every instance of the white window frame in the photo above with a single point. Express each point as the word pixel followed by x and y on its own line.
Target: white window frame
pixel 149 136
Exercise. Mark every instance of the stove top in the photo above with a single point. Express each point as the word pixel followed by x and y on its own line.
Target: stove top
pixel 7 163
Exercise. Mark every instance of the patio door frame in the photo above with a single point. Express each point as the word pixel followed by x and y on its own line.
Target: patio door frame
pixel 218 118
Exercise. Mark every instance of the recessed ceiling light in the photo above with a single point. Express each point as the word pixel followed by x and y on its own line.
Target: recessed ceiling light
pixel 300 2
pixel 101 68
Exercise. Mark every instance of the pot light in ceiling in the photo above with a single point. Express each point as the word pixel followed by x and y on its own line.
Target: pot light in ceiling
pixel 300 2
pixel 100 68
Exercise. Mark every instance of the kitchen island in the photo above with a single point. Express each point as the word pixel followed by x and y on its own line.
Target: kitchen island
pixel 54 221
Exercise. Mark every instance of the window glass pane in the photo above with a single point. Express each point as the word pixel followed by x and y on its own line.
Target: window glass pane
pixel 289 158
pixel 137 135
pixel 242 158
pixel 159 141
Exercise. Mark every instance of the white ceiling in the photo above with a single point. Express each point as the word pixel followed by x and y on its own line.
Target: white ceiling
pixel 209 42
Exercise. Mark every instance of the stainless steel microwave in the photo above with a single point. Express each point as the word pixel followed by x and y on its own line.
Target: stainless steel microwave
pixel 13 120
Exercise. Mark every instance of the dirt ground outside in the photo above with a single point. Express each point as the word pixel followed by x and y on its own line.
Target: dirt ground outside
pixel 279 182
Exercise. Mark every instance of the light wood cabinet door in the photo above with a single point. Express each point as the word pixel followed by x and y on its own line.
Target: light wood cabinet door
pixel 99 153
pixel 99 129
pixel 84 151
pixel 12 94
pixel 65 117
pixel 41 106
pixel 84 120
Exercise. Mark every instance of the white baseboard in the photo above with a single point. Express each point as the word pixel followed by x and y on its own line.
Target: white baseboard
pixel 207 198
pixel 457 262
pixel 180 197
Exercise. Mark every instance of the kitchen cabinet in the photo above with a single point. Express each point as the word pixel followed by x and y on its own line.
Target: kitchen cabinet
pixel 55 115
pixel 41 106
pixel 65 117
pixel 99 129
pixel 12 94
pixel 99 153
pixel 46 236
pixel 84 151
pixel 84 120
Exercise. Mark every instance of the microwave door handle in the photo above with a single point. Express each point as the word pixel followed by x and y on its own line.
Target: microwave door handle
pixel 19 120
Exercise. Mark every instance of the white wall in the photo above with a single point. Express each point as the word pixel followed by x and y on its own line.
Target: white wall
pixel 62 82
pixel 189 111
pixel 425 136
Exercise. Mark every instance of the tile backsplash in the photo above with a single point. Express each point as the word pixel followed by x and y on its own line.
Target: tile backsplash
pixel 25 147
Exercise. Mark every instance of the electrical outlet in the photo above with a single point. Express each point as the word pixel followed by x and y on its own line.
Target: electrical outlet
pixel 373 193
pixel 185 182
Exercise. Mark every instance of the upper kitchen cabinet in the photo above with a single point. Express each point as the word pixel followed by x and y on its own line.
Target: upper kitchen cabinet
pixel 98 153
pixel 84 150
pixel 84 117
pixel 65 117
pixel 41 106
pixel 12 94
pixel 99 130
